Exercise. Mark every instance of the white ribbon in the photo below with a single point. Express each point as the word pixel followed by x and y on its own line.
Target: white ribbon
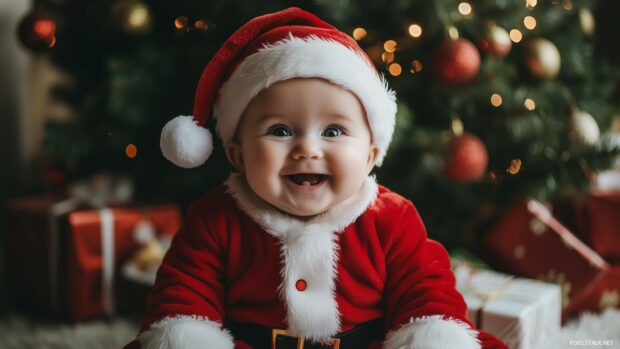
pixel 107 252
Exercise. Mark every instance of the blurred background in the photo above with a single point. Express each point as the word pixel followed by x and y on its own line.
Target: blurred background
pixel 507 141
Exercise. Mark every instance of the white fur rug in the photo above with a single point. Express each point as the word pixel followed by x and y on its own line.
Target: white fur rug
pixel 16 332
pixel 600 331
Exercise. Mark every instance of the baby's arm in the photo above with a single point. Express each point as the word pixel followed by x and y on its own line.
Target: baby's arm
pixel 424 310
pixel 186 305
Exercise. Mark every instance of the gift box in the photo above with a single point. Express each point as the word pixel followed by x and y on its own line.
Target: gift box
pixel 520 312
pixel 529 241
pixel 50 258
pixel 100 242
pixel 603 212
pixel 34 243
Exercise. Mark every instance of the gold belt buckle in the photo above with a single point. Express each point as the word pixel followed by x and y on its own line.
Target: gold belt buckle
pixel 334 342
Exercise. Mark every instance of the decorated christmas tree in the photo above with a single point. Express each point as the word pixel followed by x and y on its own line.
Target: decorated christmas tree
pixel 497 98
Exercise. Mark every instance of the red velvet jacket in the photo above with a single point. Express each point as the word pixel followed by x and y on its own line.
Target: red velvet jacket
pixel 369 257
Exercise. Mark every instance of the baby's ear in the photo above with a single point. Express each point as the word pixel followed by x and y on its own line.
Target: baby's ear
pixel 234 155
pixel 372 157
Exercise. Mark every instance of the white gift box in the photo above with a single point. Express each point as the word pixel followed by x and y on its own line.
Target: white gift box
pixel 520 312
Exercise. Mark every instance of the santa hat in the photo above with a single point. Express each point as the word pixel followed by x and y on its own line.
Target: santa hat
pixel 275 47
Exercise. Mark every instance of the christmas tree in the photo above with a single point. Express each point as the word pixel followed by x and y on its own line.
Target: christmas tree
pixel 497 98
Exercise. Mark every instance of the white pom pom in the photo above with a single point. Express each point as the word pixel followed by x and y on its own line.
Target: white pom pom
pixel 185 143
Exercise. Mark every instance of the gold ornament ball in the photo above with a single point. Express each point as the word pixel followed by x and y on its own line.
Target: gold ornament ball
pixel 542 58
pixel 132 16
pixel 583 129
pixel 586 19
pixel 495 41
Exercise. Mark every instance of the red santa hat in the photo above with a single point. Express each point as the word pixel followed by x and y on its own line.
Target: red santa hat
pixel 275 47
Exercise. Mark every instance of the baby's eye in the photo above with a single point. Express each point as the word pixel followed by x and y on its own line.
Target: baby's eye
pixel 280 131
pixel 332 132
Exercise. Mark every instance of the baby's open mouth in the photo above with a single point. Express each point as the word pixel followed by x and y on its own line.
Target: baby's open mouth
pixel 307 178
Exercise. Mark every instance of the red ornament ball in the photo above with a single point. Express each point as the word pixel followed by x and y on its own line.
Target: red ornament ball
pixel 495 41
pixel 37 31
pixel 456 61
pixel 467 158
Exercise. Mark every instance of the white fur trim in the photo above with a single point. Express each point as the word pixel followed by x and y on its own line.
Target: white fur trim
pixel 185 332
pixel 309 57
pixel 432 332
pixel 310 252
pixel 185 143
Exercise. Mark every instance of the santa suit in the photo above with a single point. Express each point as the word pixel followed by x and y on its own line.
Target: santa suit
pixel 238 258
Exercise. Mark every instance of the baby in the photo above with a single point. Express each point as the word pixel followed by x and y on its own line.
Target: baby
pixel 301 248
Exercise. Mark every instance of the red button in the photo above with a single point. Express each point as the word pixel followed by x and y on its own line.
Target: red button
pixel 300 285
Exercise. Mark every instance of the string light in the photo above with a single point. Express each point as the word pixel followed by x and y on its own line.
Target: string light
pixel 359 33
pixel 416 66
pixel 139 16
pixel 201 25
pixel 131 151
pixel 453 33
pixel 389 46
pixel 568 5
pixel 415 30
pixel 529 22
pixel 530 4
pixel 387 57
pixel 515 35
pixel 465 8
pixel 515 166
pixel 395 69
pixel 180 22
pixel 529 104
pixel 496 100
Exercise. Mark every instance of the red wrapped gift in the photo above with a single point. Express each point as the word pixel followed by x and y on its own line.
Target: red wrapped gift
pixel 36 227
pixel 604 224
pixel 530 242
pixel 99 243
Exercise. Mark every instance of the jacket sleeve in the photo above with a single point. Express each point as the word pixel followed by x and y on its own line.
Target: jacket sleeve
pixel 424 309
pixel 186 305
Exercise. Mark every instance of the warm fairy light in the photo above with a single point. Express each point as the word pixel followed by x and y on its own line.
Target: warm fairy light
pixel 515 166
pixel 496 100
pixel 515 35
pixel 529 104
pixel 568 5
pixel 530 4
pixel 201 25
pixel 415 30
pixel 131 151
pixel 456 125
pixel 180 22
pixel 389 46
pixel 395 69
pixel 465 8
pixel 529 22
pixel 416 66
pixel 359 33
pixel 387 57
pixel 139 16
pixel 453 33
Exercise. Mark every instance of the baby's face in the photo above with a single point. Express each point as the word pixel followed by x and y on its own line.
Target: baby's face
pixel 304 146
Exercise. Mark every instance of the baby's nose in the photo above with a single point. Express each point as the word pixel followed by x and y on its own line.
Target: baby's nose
pixel 307 148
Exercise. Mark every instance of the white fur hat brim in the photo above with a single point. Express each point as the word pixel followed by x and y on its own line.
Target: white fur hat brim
pixel 311 57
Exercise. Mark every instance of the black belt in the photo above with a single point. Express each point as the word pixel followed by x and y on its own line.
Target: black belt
pixel 263 337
